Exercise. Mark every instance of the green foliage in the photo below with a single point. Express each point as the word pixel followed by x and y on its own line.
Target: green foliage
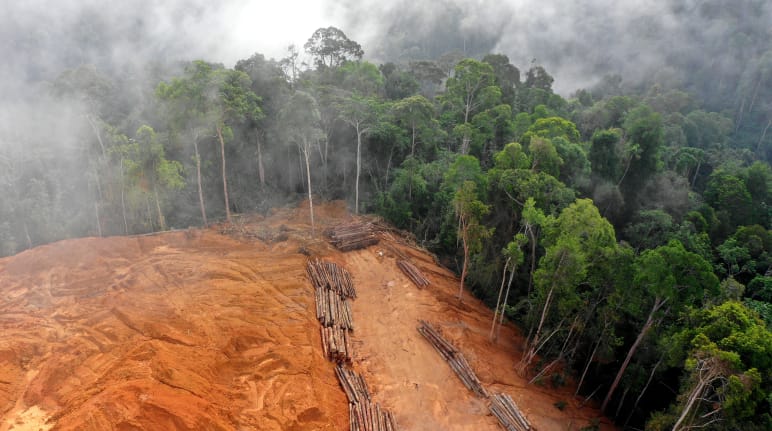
pixel 673 274
pixel 471 89
pixel 604 154
pixel 727 346
pixel 512 157
pixel 544 157
pixel 361 77
pixel 552 127
pixel 728 195
pixel 330 47
pixel 650 229
pixel 644 131
pixel 492 165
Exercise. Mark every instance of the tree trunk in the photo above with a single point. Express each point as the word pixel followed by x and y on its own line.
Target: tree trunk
pixel 498 300
pixel 696 172
pixel 694 395
pixel 763 135
pixel 412 143
pixel 224 177
pixel 506 299
pixel 622 401
pixel 98 221
pixel 123 202
pixel 529 228
pixel 388 169
pixel 198 182
pixel 643 391
pixel 26 234
pixel 149 214
pixel 98 135
pixel 649 322
pixel 289 170
pixel 97 199
pixel 310 196
pixel 260 170
pixel 465 144
pixel 359 163
pixel 587 366
pixel 161 220
pixel 466 259
pixel 536 336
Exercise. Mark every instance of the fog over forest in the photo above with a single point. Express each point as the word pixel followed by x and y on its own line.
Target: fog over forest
pixel 577 42
pixel 608 160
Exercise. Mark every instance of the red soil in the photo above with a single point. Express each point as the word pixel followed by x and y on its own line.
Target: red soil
pixel 197 330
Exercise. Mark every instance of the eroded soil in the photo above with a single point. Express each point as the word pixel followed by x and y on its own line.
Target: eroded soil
pixel 200 330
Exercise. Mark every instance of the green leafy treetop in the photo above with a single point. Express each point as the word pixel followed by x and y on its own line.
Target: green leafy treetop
pixel 331 48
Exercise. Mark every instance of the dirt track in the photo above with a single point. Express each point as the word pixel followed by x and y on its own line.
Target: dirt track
pixel 197 330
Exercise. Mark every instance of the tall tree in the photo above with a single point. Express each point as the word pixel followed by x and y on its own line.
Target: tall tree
pixel 666 279
pixel 363 115
pixel 470 89
pixel 469 210
pixel 724 351
pixel 414 113
pixel 330 47
pixel 151 172
pixel 300 121
pixel 210 95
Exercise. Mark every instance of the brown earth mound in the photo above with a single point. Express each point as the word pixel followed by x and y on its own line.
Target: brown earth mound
pixel 200 330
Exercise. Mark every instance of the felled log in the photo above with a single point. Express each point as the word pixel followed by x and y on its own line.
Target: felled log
pixel 353 236
pixel 324 274
pixel 509 415
pixel 413 273
pixel 364 415
pixel 336 344
pixel 454 358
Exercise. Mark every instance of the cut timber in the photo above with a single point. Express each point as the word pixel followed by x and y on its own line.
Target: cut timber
pixel 353 236
pixel 454 358
pixel 332 287
pixel 332 276
pixel 336 344
pixel 413 273
pixel 364 415
pixel 506 411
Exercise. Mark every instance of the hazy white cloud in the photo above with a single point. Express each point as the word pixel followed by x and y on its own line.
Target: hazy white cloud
pixel 577 41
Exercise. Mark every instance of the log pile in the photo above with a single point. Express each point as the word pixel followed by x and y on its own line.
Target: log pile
pixel 353 236
pixel 332 288
pixel 332 309
pixel 332 276
pixel 506 411
pixel 336 344
pixel 353 384
pixel 364 415
pixel 413 273
pixel 454 358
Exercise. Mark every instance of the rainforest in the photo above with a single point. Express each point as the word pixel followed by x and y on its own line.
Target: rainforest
pixel 597 176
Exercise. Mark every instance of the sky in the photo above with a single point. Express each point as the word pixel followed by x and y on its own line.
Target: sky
pixel 577 41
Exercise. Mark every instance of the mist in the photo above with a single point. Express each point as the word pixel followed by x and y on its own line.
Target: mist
pixel 123 50
pixel 577 42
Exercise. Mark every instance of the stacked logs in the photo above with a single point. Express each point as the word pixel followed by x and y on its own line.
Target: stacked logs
pixel 364 415
pixel 332 288
pixel 508 414
pixel 413 273
pixel 332 309
pixel 353 236
pixel 328 274
pixel 454 358
pixel 336 344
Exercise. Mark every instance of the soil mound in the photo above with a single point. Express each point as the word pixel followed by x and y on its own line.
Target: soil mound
pixel 215 329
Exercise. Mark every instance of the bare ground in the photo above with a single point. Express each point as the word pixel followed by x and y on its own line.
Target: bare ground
pixel 197 330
